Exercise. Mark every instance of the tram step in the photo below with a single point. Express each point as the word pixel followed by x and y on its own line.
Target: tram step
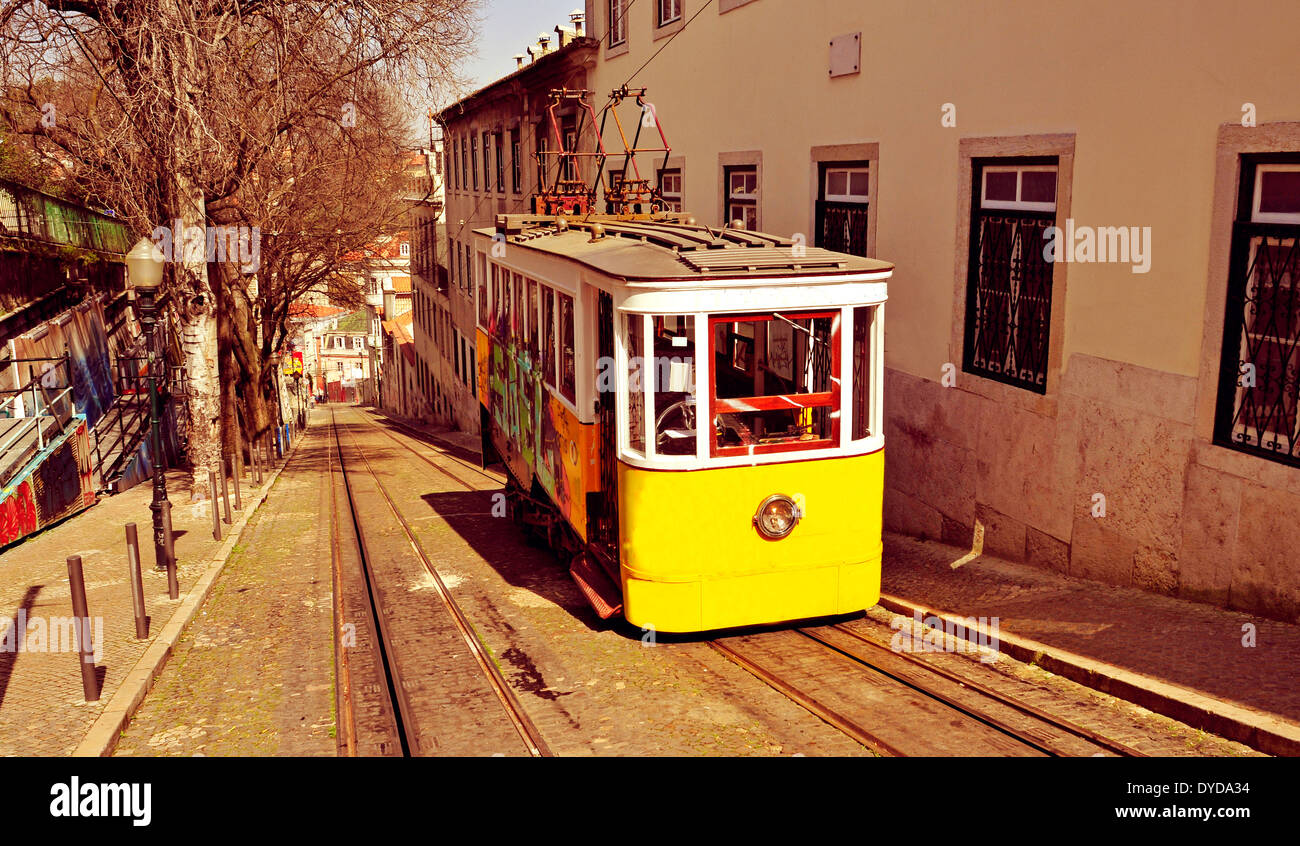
pixel 601 591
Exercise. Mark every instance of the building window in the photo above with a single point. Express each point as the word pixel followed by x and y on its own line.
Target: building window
pixel 405 249
pixel 1009 279
pixel 617 22
pixel 501 163
pixel 487 161
pixel 668 11
pixel 842 207
pixel 473 162
pixel 741 183
pixel 358 343
pixel 1259 378
pixel 516 167
pixel 542 158
pixel 670 188
pixel 455 165
pixel 464 165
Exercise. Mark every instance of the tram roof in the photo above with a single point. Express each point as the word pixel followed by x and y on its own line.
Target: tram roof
pixel 674 247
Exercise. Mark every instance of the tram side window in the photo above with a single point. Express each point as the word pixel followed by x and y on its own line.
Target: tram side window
pixel 568 364
pixel 517 308
pixel 774 382
pixel 548 335
pixel 864 376
pixel 672 377
pixel 636 383
pixel 534 332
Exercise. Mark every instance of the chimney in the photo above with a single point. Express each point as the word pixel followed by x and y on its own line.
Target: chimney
pixel 390 304
pixel 562 36
pixel 520 58
pixel 577 17
pixel 544 41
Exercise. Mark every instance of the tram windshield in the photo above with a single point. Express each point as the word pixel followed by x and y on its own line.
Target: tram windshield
pixel 775 380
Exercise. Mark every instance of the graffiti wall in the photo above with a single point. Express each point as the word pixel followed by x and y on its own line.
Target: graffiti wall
pixel 80 333
pixel 54 485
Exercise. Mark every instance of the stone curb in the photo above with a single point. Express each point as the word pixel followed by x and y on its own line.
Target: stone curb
pixel 101 739
pixel 1266 733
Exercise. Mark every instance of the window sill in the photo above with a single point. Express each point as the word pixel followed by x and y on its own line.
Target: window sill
pixel 669 29
pixel 616 50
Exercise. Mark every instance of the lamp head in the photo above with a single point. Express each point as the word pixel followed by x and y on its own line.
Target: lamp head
pixel 144 265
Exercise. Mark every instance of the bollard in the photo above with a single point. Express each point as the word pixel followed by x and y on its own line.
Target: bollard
pixel 169 540
pixel 173 588
pixel 225 490
pixel 279 443
pixel 137 587
pixel 254 465
pixel 212 497
pixel 235 471
pixel 81 628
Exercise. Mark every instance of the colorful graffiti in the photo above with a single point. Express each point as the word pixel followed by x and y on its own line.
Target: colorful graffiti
pixel 55 484
pixel 536 434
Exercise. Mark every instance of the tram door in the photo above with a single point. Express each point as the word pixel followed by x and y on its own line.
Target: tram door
pixel 605 510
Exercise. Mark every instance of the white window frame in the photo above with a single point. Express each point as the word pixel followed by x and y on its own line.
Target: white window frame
pixel 849 197
pixel 405 249
pixel 676 16
pixel 617 22
pixel 671 198
pixel 1016 204
pixel 1256 216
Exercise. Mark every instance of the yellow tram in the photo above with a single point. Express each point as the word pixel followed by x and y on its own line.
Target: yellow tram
pixel 692 417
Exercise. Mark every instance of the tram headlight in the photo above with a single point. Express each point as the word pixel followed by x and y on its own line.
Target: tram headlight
pixel 777 516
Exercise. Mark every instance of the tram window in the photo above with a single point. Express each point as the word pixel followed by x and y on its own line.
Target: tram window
pixel 774 382
pixel 517 308
pixel 568 365
pixel 538 330
pixel 672 377
pixel 528 314
pixel 548 335
pixel 636 383
pixel 863 369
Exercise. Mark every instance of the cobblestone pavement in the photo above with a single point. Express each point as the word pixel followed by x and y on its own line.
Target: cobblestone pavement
pixel 1184 643
pixel 42 708
pixel 254 672
pixel 590 688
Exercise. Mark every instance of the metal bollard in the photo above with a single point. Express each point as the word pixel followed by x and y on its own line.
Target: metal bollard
pixel 212 496
pixel 225 490
pixel 169 540
pixel 254 464
pixel 81 628
pixel 236 471
pixel 137 586
pixel 173 588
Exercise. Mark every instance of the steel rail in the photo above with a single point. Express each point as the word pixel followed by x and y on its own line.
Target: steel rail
pixel 347 711
pixel 396 691
pixel 1025 708
pixel 809 703
pixel 523 725
pixel 427 459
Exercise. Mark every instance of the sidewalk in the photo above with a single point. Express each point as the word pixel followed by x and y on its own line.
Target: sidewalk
pixel 42 707
pixel 1182 659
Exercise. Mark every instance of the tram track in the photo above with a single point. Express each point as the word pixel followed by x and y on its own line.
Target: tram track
pixel 857 685
pixel 417 713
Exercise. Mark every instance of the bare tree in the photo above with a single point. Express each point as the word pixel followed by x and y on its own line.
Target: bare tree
pixel 163 109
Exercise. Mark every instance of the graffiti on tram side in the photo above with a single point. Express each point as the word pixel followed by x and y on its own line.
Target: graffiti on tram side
pixel 17 512
pixel 536 433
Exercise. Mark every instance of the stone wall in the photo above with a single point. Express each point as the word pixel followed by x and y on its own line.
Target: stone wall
pixel 1180 518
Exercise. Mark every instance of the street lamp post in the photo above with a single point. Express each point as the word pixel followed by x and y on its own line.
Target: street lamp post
pixel 144 265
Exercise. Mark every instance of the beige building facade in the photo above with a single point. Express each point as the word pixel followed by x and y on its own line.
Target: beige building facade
pixel 1091 356
pixel 491 139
